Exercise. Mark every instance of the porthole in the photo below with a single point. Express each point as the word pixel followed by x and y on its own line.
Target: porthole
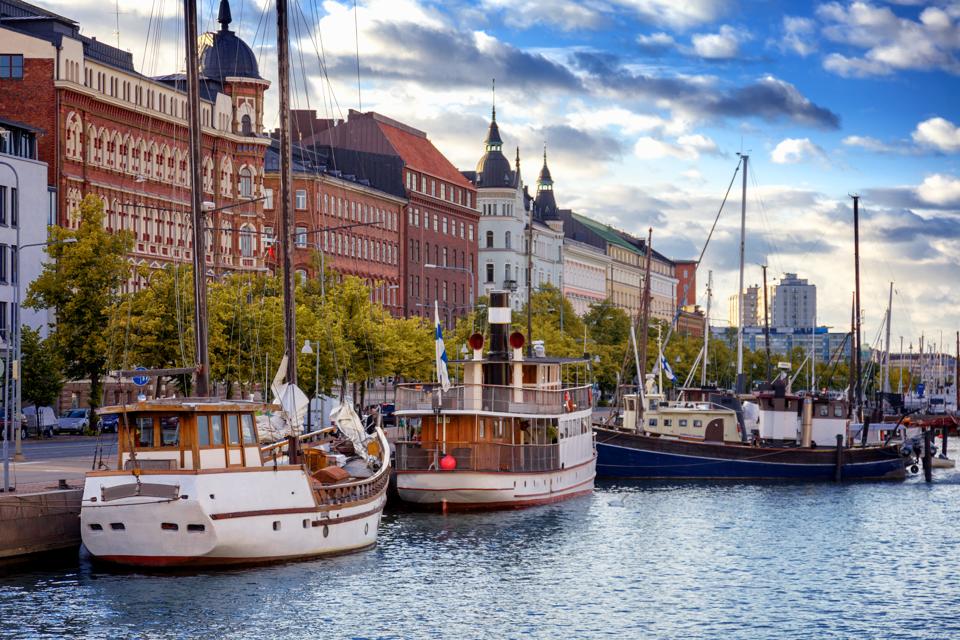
pixel 96 527
pixel 117 526
pixel 366 528
pixel 170 526
pixel 276 525
pixel 306 523
pixel 196 528
pixel 326 530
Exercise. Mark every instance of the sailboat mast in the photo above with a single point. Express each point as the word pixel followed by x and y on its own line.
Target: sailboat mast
pixel 885 387
pixel 856 276
pixel 286 195
pixel 706 331
pixel 645 308
pixel 202 376
pixel 741 387
pixel 766 324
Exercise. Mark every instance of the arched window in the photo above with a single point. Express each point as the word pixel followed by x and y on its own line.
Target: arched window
pixel 246 125
pixel 246 241
pixel 506 240
pixel 489 239
pixel 246 180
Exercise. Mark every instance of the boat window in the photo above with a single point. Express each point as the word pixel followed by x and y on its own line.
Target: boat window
pixel 246 422
pixel 144 432
pixel 233 428
pixel 698 423
pixel 837 411
pixel 216 429
pixel 667 422
pixel 203 431
pixel 683 422
pixel 653 422
pixel 169 431
pixel 824 411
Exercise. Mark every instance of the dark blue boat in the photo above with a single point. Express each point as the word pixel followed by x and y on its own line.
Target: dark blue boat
pixel 626 454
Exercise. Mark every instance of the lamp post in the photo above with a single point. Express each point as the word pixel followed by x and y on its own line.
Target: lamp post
pixel 308 348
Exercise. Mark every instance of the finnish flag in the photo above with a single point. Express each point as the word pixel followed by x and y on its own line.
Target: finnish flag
pixel 442 374
pixel 665 367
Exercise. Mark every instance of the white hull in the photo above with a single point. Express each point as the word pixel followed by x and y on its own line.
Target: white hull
pixel 479 489
pixel 221 517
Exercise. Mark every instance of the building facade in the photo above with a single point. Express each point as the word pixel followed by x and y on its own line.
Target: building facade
pixel 440 225
pixel 24 215
pixel 585 270
pixel 794 303
pixel 685 272
pixel 116 133
pixel 752 308
pixel 341 222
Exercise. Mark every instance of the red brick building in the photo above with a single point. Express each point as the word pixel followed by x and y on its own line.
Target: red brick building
pixel 439 230
pixel 686 273
pixel 354 226
pixel 116 133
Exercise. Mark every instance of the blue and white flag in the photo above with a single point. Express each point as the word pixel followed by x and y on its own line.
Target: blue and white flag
pixel 665 367
pixel 442 375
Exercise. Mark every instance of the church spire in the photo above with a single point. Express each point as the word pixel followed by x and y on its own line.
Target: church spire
pixel 223 16
pixel 493 141
pixel 493 116
pixel 545 181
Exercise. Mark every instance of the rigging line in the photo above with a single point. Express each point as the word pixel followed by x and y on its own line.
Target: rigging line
pixel 312 148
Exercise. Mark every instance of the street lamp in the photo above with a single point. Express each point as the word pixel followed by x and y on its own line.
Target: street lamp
pixel 308 348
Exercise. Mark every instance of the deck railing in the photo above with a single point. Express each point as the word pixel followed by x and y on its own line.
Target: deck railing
pixel 492 398
pixel 479 456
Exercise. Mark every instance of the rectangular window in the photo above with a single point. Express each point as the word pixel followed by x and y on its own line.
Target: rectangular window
pixel 14 208
pixel 443 191
pixel 169 431
pixel 683 422
pixel 445 226
pixel 3 263
pixel 268 199
pixel 14 266
pixel 697 424
pixel 11 66
pixel 203 431
pixel 653 422
pixel 301 237
pixel 233 428
pixel 216 430
pixel 246 423
pixel 489 272
pixel 301 199
pixel 144 434
pixel 3 206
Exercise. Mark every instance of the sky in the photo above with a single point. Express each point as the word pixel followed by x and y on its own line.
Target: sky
pixel 644 106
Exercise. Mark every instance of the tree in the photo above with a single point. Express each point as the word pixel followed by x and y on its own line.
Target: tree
pixel 41 377
pixel 81 284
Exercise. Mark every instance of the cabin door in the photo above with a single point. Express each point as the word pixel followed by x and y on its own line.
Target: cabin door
pixel 714 432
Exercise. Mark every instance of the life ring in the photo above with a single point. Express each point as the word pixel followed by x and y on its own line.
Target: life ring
pixel 568 403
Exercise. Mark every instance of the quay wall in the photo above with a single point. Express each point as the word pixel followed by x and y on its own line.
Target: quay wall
pixel 38 522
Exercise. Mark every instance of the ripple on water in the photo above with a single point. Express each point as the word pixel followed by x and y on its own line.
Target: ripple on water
pixel 650 560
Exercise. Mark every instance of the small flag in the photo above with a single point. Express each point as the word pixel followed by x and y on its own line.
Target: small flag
pixel 442 375
pixel 665 367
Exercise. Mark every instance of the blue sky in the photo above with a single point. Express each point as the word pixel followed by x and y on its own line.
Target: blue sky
pixel 644 104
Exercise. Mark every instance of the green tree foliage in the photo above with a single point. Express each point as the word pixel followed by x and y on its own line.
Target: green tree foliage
pixel 41 374
pixel 81 284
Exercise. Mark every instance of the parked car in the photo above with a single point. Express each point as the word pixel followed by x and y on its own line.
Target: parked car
pixel 74 421
pixel 108 422
pixel 3 428
pixel 38 420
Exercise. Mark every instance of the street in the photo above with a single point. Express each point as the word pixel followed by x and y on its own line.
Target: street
pixel 62 457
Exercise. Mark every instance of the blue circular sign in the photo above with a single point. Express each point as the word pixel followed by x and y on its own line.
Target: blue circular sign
pixel 141 381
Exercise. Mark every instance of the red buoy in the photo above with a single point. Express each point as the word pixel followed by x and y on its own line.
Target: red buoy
pixel 448 463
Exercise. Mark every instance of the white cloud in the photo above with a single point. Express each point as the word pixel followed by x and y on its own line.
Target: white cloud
pixel 889 42
pixel 794 150
pixel 938 133
pixel 576 14
pixel 656 42
pixel 798 35
pixel 686 147
pixel 940 189
pixel 679 15
pixel 719 46
pixel 868 143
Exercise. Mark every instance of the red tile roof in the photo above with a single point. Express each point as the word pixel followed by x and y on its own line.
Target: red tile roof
pixel 420 155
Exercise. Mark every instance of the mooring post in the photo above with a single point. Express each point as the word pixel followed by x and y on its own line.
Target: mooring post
pixel 927 462
pixel 838 472
pixel 943 451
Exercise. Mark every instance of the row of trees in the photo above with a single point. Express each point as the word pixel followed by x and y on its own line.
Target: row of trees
pixel 100 328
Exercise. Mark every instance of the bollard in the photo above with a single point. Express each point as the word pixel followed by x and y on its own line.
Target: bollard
pixel 927 462
pixel 838 472
pixel 943 450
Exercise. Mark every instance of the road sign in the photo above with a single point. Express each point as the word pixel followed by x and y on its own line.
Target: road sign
pixel 141 381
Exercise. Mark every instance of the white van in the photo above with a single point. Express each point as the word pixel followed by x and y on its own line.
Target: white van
pixel 46 418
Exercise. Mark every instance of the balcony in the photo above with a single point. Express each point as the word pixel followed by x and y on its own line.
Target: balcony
pixel 422 398
pixel 479 456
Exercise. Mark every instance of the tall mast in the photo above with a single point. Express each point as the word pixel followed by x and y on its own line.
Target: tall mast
pixel 766 322
pixel 202 376
pixel 885 374
pixel 706 331
pixel 741 386
pixel 645 308
pixel 286 195
pixel 856 275
pixel 852 377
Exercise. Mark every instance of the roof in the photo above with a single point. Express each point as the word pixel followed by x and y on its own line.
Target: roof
pixel 419 153
pixel 608 233
pixel 224 55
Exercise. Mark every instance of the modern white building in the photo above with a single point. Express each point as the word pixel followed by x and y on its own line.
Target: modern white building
pixel 794 303
pixel 506 210
pixel 25 213
pixel 585 269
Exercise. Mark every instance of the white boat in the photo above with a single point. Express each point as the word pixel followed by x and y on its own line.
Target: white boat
pixel 514 434
pixel 194 487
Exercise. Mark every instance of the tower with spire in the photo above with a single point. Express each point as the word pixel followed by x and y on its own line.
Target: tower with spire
pixel 545 203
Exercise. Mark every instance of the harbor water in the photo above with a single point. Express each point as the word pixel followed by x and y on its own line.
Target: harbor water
pixel 633 560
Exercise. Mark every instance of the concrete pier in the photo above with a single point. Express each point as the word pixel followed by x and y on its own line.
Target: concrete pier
pixel 39 522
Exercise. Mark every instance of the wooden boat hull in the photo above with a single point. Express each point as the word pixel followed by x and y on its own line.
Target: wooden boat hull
pixel 629 455
pixel 477 490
